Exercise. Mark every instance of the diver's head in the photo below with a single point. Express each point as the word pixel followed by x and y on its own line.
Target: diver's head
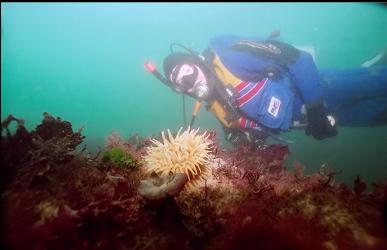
pixel 187 74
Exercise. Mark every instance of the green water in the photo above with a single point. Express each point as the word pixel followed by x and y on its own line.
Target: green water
pixel 84 62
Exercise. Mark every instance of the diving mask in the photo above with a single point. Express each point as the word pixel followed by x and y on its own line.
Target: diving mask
pixel 189 79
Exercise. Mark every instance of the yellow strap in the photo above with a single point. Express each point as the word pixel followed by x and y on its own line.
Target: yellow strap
pixel 227 78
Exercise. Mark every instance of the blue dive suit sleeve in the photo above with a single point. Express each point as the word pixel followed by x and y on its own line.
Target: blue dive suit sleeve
pixel 306 78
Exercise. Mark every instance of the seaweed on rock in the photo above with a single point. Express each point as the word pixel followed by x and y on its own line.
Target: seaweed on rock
pixel 55 196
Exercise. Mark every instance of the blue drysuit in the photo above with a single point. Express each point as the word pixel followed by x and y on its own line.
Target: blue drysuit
pixel 355 97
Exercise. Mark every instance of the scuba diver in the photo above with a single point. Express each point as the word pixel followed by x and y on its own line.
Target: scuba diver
pixel 258 88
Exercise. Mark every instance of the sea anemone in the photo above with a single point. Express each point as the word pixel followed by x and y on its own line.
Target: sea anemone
pixel 187 153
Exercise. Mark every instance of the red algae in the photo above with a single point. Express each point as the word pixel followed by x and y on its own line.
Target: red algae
pixel 56 196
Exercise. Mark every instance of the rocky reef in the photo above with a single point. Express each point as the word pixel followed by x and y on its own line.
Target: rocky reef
pixel 55 195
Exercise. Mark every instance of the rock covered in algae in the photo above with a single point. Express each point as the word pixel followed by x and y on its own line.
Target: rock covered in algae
pixel 248 201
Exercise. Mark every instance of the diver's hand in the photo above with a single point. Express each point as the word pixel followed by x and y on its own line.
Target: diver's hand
pixel 319 125
pixel 255 138
pixel 234 136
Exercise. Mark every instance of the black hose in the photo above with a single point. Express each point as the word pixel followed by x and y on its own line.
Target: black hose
pixel 184 116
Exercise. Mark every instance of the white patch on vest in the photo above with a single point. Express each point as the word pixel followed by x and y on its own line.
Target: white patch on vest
pixel 274 106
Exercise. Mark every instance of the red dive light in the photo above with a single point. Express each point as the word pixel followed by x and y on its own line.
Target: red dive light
pixel 149 66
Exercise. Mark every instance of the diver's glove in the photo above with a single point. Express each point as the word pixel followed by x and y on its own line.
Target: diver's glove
pixel 319 126
pixel 234 136
pixel 251 137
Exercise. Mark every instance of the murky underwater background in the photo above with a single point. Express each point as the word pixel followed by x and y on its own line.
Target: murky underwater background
pixel 84 62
